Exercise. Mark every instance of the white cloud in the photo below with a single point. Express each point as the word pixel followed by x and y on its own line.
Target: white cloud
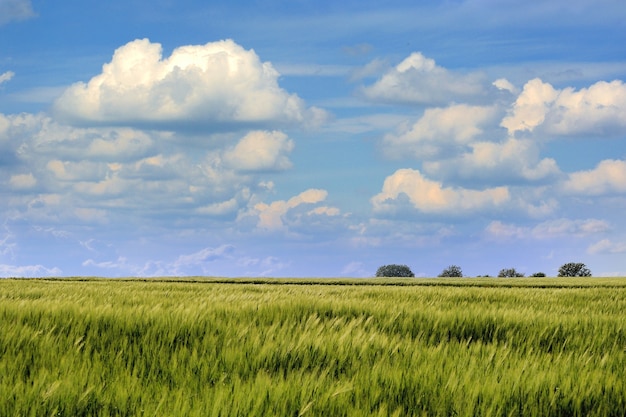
pixel 260 151
pixel 356 269
pixel 568 227
pixel 28 271
pixel 609 176
pixel 272 217
pixel 216 84
pixel 551 229
pixel 513 159
pixel 4 77
pixel 267 266
pixel 504 84
pixel 497 229
pixel 431 197
pixel 200 261
pixel 15 10
pixel 120 262
pixel 202 257
pixel 418 80
pixel 605 246
pixel 22 181
pixel 220 208
pixel 597 110
pixel 7 243
pixel 439 129
pixel 531 106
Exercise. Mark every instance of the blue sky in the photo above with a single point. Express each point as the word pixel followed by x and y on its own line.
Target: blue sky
pixel 301 138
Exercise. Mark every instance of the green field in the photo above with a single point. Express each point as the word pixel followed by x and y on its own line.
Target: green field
pixel 210 347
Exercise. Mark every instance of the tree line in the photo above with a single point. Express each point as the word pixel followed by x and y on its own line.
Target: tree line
pixel 570 269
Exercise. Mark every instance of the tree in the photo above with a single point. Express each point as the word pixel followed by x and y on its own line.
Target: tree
pixel 394 270
pixel 509 273
pixel 538 274
pixel 452 271
pixel 573 269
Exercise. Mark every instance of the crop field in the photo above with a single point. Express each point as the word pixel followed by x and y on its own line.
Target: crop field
pixel 367 347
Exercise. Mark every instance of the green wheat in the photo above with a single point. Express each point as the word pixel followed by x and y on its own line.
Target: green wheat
pixel 202 347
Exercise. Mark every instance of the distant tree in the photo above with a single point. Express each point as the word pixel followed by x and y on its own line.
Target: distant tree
pixel 538 274
pixel 573 269
pixel 394 270
pixel 509 273
pixel 452 271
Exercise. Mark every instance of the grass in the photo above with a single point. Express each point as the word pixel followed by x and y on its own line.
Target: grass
pixel 246 347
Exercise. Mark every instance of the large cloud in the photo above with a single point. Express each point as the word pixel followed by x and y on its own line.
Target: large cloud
pixel 513 160
pixel 439 130
pixel 598 110
pixel 609 176
pixel 418 80
pixel 432 197
pixel 216 85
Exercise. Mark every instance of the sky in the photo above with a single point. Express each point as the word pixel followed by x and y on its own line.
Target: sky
pixel 311 138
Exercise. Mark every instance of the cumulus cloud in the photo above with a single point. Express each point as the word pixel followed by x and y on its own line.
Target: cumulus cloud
pixel 419 80
pixel 511 160
pixel 430 196
pixel 217 85
pixel 260 151
pixel 274 216
pixel 14 10
pixel 439 130
pixel 609 176
pixel 598 110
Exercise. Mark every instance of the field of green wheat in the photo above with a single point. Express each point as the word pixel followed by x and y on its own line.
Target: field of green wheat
pixel 201 347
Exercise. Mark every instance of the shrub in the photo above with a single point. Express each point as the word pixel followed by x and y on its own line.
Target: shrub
pixel 509 273
pixel 394 270
pixel 452 271
pixel 573 269
pixel 538 275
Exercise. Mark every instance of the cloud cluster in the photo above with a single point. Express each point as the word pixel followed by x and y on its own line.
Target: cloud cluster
pixel 151 135
pixel 92 171
pixel 497 146
pixel 212 86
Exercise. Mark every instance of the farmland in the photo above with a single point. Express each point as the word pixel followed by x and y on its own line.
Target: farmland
pixel 219 347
